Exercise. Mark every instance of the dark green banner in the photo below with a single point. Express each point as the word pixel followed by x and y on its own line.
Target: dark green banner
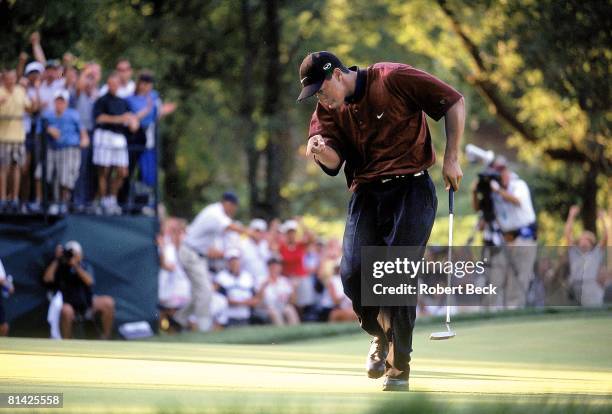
pixel 121 250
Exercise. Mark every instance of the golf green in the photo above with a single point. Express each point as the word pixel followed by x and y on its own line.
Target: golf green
pixel 526 364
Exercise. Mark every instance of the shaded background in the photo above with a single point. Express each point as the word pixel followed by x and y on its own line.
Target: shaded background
pixel 536 77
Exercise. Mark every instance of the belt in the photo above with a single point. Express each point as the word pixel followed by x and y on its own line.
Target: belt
pixel 193 249
pixel 398 177
pixel 529 232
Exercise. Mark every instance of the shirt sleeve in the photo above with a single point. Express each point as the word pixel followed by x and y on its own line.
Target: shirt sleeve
pixel 423 91
pixel 573 253
pixel 39 123
pixel 89 269
pixel 224 221
pixel 520 190
pixel 27 102
pixel 76 118
pixel 322 123
pixel 157 104
pixel 126 106
pixel 98 108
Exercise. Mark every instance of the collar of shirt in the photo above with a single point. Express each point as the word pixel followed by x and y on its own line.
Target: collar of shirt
pixel 360 85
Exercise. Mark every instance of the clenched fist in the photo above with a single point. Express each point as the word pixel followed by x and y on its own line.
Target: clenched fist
pixel 316 145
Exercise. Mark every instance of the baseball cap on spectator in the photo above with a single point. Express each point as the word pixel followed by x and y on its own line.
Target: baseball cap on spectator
pixel 75 246
pixel 290 225
pixel 34 67
pixel 258 224
pixel 232 254
pixel 500 163
pixel 275 259
pixel 145 76
pixel 315 68
pixel 230 196
pixel 62 93
pixel 52 63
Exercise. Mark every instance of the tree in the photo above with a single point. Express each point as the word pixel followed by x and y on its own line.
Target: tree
pixel 510 52
pixel 60 23
pixel 565 47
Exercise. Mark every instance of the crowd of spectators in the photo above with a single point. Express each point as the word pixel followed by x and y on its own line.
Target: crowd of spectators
pixel 81 145
pixel 70 143
pixel 216 273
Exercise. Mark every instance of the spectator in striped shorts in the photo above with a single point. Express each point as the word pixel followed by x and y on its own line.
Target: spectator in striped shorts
pixel 65 136
pixel 14 103
pixel 113 122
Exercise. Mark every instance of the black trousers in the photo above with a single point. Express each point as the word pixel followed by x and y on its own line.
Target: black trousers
pixel 399 212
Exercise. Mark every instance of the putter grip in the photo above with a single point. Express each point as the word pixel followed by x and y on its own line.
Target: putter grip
pixel 451 200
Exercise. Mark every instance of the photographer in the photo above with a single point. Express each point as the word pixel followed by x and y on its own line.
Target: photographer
pixel 73 277
pixel 509 220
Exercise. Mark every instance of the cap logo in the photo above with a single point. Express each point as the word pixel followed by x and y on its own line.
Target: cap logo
pixel 327 66
pixel 302 81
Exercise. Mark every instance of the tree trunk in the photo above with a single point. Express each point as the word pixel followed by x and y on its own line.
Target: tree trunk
pixel 593 159
pixel 274 149
pixel 173 187
pixel 247 126
pixel 589 197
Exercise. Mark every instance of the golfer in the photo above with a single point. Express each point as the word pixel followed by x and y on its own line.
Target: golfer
pixel 373 121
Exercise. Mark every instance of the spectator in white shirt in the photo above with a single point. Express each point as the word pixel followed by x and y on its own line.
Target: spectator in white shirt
pixel 52 77
pixel 127 86
pixel 174 287
pixel 256 251
pixel 197 249
pixel 513 207
pixel 278 296
pixel 52 82
pixel 513 269
pixel 336 305
pixel 239 287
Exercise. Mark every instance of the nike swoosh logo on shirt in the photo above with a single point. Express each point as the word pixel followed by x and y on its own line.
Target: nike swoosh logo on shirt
pixel 380 116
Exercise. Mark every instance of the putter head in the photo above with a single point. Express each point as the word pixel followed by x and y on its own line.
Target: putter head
pixel 438 336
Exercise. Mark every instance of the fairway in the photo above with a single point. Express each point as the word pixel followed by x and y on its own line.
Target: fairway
pixel 519 361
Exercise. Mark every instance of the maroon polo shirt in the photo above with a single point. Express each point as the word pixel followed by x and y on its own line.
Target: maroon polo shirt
pixel 382 130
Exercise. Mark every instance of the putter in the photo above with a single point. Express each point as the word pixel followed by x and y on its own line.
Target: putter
pixel 448 334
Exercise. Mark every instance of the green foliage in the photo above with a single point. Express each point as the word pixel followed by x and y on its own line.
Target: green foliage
pixel 60 23
pixel 549 63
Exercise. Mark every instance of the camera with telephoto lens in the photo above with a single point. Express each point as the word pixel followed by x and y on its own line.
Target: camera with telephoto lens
pixel 484 192
pixel 483 187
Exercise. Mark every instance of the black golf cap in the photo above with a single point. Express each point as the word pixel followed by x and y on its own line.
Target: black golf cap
pixel 315 68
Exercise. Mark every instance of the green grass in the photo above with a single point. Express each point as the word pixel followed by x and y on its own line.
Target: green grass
pixel 262 334
pixel 268 334
pixel 544 363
